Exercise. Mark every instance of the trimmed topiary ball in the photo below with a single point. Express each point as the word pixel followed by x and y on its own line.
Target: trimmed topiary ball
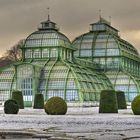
pixel 56 106
pixel 38 101
pixel 108 102
pixel 17 95
pixel 121 100
pixel 11 107
pixel 135 105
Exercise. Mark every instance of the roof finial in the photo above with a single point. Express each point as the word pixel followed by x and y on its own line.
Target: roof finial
pixel 110 19
pixel 100 14
pixel 48 13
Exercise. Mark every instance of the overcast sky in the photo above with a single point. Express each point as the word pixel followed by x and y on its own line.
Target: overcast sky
pixel 19 18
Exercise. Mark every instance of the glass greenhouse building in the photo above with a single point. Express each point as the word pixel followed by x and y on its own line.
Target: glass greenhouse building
pixel 48 66
pixel 116 58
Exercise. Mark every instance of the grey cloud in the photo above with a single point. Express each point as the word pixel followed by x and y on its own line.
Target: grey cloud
pixel 19 18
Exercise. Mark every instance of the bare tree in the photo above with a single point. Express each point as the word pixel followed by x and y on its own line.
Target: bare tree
pixel 4 61
pixel 14 53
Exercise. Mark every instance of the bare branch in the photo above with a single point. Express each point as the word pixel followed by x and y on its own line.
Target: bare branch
pixel 14 54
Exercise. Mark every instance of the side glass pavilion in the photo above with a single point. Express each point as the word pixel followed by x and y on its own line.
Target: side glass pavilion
pixel 117 58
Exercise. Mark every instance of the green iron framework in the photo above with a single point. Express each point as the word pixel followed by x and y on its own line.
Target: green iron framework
pixel 117 58
pixel 48 66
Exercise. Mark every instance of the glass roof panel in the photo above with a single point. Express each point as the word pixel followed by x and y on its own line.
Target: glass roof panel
pixel 47 38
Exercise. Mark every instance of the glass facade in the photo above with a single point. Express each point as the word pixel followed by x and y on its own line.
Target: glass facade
pixel 77 71
pixel 116 58
pixel 24 81
pixel 124 82
pixel 6 82
pixel 48 67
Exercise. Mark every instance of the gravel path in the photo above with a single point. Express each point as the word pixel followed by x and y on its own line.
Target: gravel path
pixel 79 124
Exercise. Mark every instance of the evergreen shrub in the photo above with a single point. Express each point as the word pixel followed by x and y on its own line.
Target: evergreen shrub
pixel 11 107
pixel 17 95
pixel 135 105
pixel 108 102
pixel 38 101
pixel 56 106
pixel 121 100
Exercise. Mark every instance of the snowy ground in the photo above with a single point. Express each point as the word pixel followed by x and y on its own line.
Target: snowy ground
pixel 79 124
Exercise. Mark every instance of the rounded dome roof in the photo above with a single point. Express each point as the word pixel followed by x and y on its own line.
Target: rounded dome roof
pixel 47 36
pixel 101 36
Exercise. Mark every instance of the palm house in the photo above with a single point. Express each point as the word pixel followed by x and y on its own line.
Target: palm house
pixel 48 66
pixel 115 57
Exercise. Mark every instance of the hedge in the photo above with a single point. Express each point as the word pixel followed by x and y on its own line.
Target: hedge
pixel 38 101
pixel 108 102
pixel 135 105
pixel 55 106
pixel 11 107
pixel 121 100
pixel 17 95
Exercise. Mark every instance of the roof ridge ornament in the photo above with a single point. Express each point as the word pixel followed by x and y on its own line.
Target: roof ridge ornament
pixel 100 14
pixel 48 24
pixel 48 13
pixel 110 18
pixel 103 20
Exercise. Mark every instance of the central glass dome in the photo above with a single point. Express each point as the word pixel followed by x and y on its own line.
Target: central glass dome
pixel 46 43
